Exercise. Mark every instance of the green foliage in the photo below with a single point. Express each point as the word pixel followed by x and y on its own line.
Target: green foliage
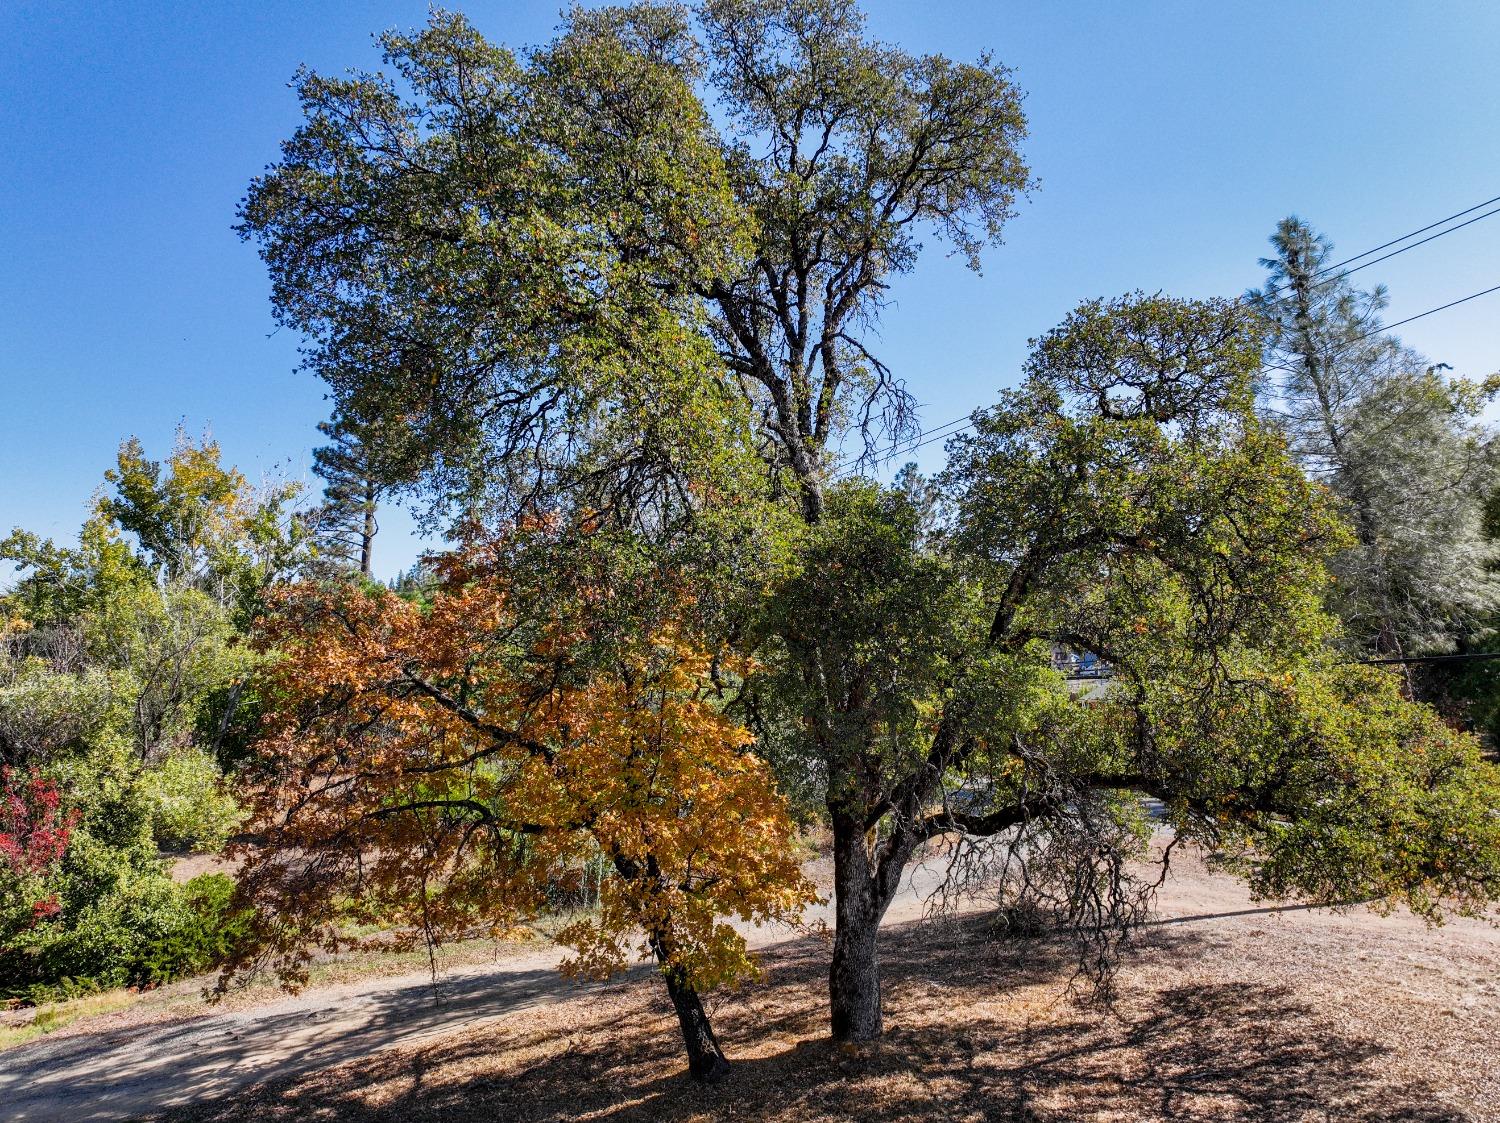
pixel 115 901
pixel 196 523
pixel 1129 504
pixel 864 633
pixel 208 932
pixel 168 650
pixel 175 516
pixel 524 241
pixel 192 806
pixel 632 279
pixel 46 716
pixel 554 273
pixel 59 583
pixel 144 932
pixel 1411 817
pixel 1125 501
pixel 1399 443
pixel 122 678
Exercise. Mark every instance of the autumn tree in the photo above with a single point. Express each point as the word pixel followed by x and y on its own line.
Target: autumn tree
pixel 440 766
pixel 34 835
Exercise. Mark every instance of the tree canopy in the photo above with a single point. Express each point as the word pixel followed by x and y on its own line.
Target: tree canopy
pixel 556 268
pixel 446 765
pixel 1125 502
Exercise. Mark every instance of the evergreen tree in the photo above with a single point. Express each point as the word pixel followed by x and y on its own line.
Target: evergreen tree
pixel 1394 437
pixel 346 526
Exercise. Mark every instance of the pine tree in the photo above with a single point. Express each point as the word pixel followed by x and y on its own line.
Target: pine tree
pixel 1395 438
pixel 346 524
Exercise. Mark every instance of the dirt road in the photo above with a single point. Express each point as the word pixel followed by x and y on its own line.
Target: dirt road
pixel 111 1069
pixel 120 1071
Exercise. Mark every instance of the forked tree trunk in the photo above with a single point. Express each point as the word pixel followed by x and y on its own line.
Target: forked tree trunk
pixel 706 1061
pixel 860 900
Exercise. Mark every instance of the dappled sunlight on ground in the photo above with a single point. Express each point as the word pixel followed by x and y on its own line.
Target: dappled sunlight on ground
pixel 1240 1017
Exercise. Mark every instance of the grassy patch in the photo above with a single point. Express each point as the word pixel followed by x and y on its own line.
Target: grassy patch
pixel 185 998
pixel 52 1016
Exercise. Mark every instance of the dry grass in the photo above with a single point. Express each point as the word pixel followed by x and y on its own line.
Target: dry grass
pixel 1246 1016
pixel 23 1026
pixel 188 998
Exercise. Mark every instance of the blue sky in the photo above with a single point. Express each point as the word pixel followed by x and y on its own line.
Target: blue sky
pixel 1168 137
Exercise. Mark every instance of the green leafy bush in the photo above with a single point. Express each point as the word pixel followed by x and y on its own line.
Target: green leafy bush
pixel 208 931
pixel 145 931
pixel 192 808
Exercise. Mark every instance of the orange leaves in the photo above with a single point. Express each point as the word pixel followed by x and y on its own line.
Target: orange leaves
pixel 447 767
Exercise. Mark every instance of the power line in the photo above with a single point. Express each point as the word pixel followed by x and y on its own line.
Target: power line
pixel 843 468
pixel 1104 675
pixel 837 473
pixel 836 470
pixel 1404 237
pixel 1430 311
pixel 1403 249
pixel 1431 658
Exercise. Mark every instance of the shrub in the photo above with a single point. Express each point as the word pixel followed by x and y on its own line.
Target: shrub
pixel 192 808
pixel 145 932
pixel 208 931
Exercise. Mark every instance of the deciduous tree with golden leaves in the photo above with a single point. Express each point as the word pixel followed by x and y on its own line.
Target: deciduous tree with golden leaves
pixel 440 765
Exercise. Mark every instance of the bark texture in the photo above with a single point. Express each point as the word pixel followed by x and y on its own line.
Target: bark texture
pixel 861 898
pixel 706 1061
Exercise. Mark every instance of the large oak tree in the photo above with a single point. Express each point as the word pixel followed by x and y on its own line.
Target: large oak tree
pixel 637 273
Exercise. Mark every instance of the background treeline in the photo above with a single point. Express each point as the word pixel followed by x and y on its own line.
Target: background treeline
pixel 1404 446
pixel 126 700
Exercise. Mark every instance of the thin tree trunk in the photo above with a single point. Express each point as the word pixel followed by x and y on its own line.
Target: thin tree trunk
pixel 367 532
pixel 1387 641
pixel 706 1060
pixel 224 719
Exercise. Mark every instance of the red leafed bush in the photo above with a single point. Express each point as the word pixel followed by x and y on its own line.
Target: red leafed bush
pixel 33 830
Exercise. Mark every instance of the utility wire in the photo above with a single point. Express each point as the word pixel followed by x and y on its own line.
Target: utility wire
pixel 1404 237
pixel 1395 253
pixel 1431 658
pixel 836 471
pixel 1430 311
pixel 839 471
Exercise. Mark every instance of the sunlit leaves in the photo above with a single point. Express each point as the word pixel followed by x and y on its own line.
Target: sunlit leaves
pixel 442 765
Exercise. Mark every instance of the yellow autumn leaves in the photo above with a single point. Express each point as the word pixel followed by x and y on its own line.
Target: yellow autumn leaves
pixel 448 765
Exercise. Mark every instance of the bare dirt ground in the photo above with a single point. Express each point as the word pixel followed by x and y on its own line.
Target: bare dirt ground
pixel 1227 1010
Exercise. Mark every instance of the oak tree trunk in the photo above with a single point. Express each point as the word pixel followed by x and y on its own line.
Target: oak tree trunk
pixel 861 898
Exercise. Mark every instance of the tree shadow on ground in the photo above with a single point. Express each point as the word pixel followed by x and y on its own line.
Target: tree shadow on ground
pixel 976 1030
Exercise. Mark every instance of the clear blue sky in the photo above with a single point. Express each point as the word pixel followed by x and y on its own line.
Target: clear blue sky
pixel 1169 139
